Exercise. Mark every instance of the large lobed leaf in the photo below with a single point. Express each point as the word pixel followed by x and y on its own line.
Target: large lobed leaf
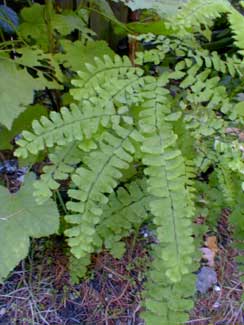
pixel 17 85
pixel 75 54
pixel 35 22
pixel 24 119
pixel 21 218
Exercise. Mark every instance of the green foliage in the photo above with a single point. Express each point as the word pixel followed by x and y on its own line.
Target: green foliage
pixel 40 24
pixel 26 118
pixel 99 177
pixel 199 15
pixel 17 88
pixel 75 54
pixel 129 206
pixel 21 218
pixel 167 302
pixel 144 142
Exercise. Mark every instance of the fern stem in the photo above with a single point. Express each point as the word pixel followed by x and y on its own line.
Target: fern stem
pixel 61 201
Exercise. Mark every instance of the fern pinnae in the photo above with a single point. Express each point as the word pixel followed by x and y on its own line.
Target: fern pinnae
pixel 100 105
pixel 194 15
pixel 166 180
pixel 125 212
pixel 93 182
pixel 104 78
pixel 63 162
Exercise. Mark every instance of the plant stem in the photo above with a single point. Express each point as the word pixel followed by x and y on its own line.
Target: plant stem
pixel 48 21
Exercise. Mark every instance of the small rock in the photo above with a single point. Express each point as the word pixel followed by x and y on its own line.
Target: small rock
pixel 206 278
pixel 216 305
pixel 217 288
pixel 2 311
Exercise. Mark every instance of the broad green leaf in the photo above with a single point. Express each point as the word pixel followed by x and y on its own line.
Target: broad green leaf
pixel 67 22
pixel 21 218
pixel 239 109
pixel 17 90
pixel 76 54
pixel 35 26
pixel 24 121
pixel 34 57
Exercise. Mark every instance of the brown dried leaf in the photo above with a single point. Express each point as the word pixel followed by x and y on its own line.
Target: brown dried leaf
pixel 211 243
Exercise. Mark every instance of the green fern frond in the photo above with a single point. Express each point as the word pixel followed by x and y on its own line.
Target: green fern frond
pixel 167 303
pixel 126 211
pixel 237 220
pixel 166 181
pixel 226 184
pixel 191 60
pixel 108 79
pixel 69 125
pixel 237 25
pixel 104 92
pixel 98 177
pixel 197 13
pixel 78 267
pixel 63 161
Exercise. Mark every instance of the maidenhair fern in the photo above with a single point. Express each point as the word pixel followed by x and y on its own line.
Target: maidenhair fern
pixel 129 206
pixel 169 125
pixel 99 176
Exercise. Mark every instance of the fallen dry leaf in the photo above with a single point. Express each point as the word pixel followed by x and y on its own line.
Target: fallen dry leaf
pixel 211 249
pixel 211 243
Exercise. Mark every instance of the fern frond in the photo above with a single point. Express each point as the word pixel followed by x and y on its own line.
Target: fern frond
pixel 237 221
pixel 78 267
pixel 126 211
pixel 104 93
pixel 60 128
pixel 237 25
pixel 197 13
pixel 98 177
pixel 166 181
pixel 106 79
pixel 226 184
pixel 63 161
pixel 191 61
pixel 166 302
pixel 72 124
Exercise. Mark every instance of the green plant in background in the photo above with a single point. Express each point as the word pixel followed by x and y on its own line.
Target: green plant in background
pixel 136 139
pixel 21 218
